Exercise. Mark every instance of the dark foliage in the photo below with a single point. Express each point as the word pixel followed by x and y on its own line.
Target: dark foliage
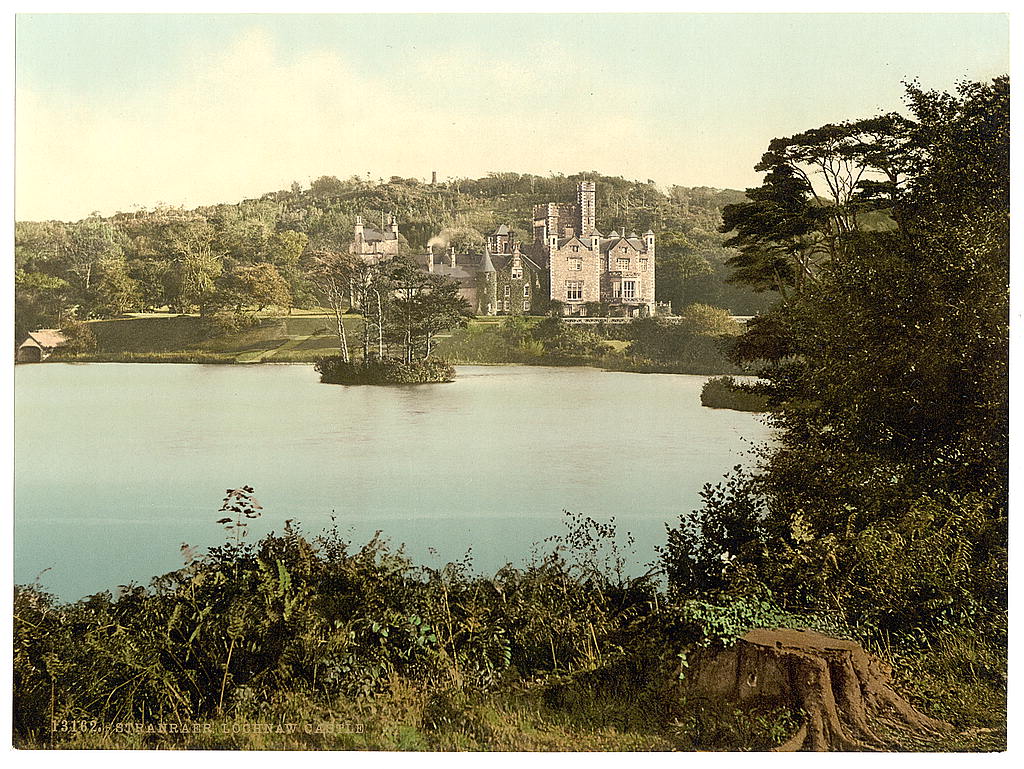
pixel 883 499
pixel 383 371
pixel 725 393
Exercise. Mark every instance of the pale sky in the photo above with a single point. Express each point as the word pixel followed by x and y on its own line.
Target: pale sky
pixel 118 111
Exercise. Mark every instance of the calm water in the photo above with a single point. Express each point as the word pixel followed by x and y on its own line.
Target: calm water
pixel 118 464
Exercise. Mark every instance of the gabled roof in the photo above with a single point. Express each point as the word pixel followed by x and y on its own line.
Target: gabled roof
pixel 535 254
pixel 530 261
pixel 46 337
pixel 563 242
pixel 611 243
pixel 502 230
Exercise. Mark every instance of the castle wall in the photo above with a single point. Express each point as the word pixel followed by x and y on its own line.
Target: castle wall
pixel 563 263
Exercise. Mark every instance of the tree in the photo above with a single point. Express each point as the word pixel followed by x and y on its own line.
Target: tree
pixel 257 285
pixel 678 262
pixel 40 300
pixel 197 266
pixel 818 185
pixel 285 248
pixel 148 275
pixel 462 239
pixel 326 187
pixel 79 337
pixel 87 244
pixel 706 320
pixel 886 370
pixel 332 274
pixel 438 307
pixel 118 293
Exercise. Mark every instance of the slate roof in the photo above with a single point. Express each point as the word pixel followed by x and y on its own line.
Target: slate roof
pixel 610 243
pixel 502 230
pixel 485 263
pixel 468 266
pixel 371 235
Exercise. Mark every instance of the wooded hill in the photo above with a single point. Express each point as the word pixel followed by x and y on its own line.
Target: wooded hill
pixel 252 253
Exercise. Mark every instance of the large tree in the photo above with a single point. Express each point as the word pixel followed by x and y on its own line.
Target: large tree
pixel 886 366
pixel 678 262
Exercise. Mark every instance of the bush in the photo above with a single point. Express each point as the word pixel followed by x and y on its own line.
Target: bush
pixel 80 337
pixel 724 393
pixel 695 344
pixel 244 624
pixel 224 321
pixel 383 371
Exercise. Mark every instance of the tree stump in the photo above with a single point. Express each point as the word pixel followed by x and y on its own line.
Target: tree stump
pixel 844 692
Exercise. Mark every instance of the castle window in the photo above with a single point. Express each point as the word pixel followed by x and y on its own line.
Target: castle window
pixel 622 264
pixel 574 248
pixel 574 290
pixel 517 272
pixel 508 290
pixel 616 289
pixel 506 305
pixel 629 289
pixel 575 263
pixel 526 306
pixel 643 264
pixel 526 290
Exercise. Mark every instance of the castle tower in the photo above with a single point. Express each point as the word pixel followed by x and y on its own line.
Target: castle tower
pixel 649 241
pixel 490 300
pixel 586 201
pixel 358 234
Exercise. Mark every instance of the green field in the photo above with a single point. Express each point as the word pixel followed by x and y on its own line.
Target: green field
pixel 189 338
pixel 298 338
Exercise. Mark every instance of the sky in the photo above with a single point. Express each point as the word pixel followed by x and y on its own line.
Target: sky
pixel 115 112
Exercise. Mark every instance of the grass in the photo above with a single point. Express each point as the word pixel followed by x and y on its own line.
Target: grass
pixel 405 717
pixel 190 339
pixel 298 338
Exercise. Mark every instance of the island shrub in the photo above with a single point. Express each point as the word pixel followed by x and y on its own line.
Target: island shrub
pixel 724 392
pixel 383 371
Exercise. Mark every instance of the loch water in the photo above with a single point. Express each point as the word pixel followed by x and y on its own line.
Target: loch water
pixel 118 465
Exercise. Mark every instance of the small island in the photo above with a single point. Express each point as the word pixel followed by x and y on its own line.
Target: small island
pixel 383 371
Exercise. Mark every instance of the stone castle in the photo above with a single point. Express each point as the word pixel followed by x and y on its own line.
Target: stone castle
pixel 570 265
pixel 585 267
pixel 373 245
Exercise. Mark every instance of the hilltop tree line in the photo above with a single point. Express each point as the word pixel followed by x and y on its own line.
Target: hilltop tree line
pixel 230 259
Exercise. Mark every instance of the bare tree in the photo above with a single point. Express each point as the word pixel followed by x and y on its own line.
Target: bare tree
pixel 332 274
